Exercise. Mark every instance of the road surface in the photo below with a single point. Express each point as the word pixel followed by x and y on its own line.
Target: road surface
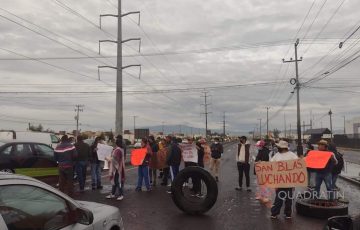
pixel 233 209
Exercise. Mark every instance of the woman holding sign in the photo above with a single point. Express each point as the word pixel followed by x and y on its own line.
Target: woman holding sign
pixel 143 169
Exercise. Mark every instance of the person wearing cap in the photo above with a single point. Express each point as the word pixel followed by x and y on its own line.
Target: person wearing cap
pixel 262 193
pixel 243 163
pixel 216 152
pixel 325 173
pixel 283 155
pixel 201 152
pixel 174 159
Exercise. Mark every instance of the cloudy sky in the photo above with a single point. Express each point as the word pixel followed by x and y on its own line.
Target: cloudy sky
pixel 50 48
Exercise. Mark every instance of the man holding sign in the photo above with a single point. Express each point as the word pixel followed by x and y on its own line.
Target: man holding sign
pixel 283 193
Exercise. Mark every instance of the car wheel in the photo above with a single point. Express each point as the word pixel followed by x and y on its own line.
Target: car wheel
pixel 7 170
pixel 194 190
pixel 321 209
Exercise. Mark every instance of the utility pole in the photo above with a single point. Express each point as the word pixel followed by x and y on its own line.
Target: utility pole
pixel 285 125
pixel 297 87
pixel 260 127
pixel 206 113
pixel 290 131
pixel 330 114
pixel 78 109
pixel 224 125
pixel 134 125
pixel 267 122
pixel 119 67
pixel 344 126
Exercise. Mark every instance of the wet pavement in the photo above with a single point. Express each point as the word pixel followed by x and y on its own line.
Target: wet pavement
pixel 233 209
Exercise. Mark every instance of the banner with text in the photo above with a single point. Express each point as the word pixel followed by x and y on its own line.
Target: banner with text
pixel 189 153
pixel 282 174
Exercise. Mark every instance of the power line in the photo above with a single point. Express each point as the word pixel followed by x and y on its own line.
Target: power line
pixel 316 16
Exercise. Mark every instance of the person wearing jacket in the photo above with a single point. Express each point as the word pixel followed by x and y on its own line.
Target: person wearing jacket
pixel 153 161
pixel 325 173
pixel 262 193
pixel 143 170
pixel 117 171
pixel 283 194
pixel 95 166
pixel 243 163
pixel 82 159
pixel 174 159
pixel 65 154
pixel 216 151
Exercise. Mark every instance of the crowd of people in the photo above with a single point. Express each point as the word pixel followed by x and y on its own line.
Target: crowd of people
pixel 74 158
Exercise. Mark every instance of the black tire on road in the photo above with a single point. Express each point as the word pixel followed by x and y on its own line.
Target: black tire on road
pixel 186 205
pixel 306 208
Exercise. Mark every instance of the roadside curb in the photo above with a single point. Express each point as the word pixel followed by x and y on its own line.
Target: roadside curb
pixel 349 179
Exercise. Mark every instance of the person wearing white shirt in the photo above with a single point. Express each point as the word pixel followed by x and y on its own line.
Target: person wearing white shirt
pixel 283 193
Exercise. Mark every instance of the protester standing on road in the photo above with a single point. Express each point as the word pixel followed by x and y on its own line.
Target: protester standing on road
pixel 95 166
pixel 189 163
pixel 262 193
pixel 153 161
pixel 166 170
pixel 325 173
pixel 65 154
pixel 201 152
pixel 174 159
pixel 243 163
pixel 143 169
pixel 122 142
pixel 283 193
pixel 338 167
pixel 117 171
pixel 216 151
pixel 84 153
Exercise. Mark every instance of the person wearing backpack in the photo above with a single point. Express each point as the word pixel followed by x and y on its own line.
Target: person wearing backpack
pixel 338 167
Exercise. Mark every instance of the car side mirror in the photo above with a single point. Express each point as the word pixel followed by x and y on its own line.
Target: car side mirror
pixel 84 216
pixel 339 222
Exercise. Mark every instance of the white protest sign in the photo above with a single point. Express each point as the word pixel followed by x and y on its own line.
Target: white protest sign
pixel 104 151
pixel 189 153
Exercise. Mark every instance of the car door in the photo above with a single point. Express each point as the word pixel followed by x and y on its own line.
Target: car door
pixel 7 162
pixel 45 164
pixel 30 207
pixel 24 158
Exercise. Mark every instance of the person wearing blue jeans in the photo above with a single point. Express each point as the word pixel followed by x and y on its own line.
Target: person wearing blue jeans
pixel 327 178
pixel 143 175
pixel 325 173
pixel 95 166
pixel 84 152
pixel 174 159
pixel 143 170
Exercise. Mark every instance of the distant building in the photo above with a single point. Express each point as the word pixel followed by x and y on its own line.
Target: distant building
pixel 314 135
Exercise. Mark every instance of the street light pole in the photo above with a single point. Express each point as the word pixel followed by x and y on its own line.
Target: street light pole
pixel 344 126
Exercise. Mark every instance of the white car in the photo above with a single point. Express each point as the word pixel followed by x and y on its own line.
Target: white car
pixel 26 203
pixel 137 145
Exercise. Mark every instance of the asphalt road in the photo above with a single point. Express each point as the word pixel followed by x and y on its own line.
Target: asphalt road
pixel 233 209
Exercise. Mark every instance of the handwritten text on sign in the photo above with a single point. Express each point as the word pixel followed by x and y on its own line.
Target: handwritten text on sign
pixel 282 174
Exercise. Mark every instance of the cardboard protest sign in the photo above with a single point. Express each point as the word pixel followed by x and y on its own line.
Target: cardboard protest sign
pixel 189 152
pixel 282 174
pixel 103 151
pixel 207 153
pixel 137 156
pixel 161 156
pixel 317 159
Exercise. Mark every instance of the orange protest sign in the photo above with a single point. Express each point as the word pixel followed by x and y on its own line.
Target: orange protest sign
pixel 138 156
pixel 317 159
pixel 282 174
